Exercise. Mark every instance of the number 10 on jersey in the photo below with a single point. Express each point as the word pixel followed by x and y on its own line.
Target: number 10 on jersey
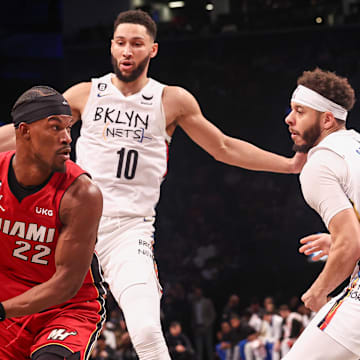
pixel 127 163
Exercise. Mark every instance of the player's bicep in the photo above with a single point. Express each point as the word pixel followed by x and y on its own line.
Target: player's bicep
pixel 345 221
pixel 197 127
pixel 345 233
pixel 7 137
pixel 77 97
pixel 80 213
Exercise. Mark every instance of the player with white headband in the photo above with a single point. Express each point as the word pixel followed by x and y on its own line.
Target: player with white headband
pixel 305 96
pixel 330 182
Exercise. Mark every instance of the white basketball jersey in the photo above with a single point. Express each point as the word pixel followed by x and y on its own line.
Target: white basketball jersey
pixel 340 317
pixel 123 144
pixel 345 143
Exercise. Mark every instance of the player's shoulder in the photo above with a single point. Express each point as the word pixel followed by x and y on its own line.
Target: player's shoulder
pixel 81 187
pixel 5 155
pixel 82 199
pixel 85 189
pixel 82 88
pixel 322 165
pixel 174 91
pixel 177 95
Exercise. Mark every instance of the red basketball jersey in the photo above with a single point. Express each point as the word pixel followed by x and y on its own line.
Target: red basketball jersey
pixel 29 232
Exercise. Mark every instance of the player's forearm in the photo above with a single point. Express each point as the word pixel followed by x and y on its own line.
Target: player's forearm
pixel 339 266
pixel 43 296
pixel 243 154
pixel 7 137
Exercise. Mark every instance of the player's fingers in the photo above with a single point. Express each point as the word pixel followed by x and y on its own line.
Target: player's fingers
pixel 308 238
pixel 317 257
pixel 321 244
pixel 308 249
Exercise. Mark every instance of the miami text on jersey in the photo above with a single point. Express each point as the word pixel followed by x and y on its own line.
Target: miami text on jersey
pixel 27 231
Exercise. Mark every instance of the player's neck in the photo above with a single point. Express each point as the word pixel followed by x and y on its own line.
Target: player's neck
pixel 28 173
pixel 130 88
pixel 329 131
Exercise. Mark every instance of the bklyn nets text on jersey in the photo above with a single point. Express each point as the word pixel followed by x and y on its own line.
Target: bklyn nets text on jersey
pixel 124 124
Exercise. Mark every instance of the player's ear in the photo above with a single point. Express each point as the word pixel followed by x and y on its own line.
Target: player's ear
pixel 112 45
pixel 154 50
pixel 24 130
pixel 328 119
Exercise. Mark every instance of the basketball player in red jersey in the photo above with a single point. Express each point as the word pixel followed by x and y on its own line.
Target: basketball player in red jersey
pixel 51 292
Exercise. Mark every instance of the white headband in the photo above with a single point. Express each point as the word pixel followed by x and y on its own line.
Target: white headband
pixel 307 97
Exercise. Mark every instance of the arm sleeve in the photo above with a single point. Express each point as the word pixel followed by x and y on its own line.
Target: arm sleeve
pixel 323 181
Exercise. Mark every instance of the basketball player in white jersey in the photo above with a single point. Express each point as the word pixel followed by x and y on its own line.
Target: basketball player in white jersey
pixel 127 123
pixel 330 182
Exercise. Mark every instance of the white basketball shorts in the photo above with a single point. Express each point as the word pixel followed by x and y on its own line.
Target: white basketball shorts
pixel 125 250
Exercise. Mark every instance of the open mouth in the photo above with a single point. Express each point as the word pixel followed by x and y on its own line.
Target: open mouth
pixel 65 153
pixel 126 65
pixel 293 133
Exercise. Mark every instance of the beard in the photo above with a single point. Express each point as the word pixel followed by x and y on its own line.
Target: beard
pixel 134 74
pixel 310 137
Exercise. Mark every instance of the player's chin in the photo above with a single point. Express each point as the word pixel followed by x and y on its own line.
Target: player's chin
pixel 60 167
pixel 304 148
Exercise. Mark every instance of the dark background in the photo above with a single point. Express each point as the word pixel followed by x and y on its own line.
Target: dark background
pixel 229 229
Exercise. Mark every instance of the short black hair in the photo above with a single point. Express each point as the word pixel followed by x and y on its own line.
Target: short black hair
pixel 37 103
pixel 137 17
pixel 34 93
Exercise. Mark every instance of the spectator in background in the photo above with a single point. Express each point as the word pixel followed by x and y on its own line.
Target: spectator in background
pixel 254 313
pixel 231 307
pixel 175 306
pixel 102 351
pixel 240 329
pixel 294 303
pixel 125 349
pixel 271 332
pixel 203 318
pixel 306 314
pixel 224 345
pixel 109 334
pixel 224 331
pixel 290 319
pixel 178 343
pixel 254 348
pixel 269 304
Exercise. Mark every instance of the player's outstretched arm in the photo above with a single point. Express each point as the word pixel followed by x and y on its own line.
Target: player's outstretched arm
pixel 7 137
pixel 77 97
pixel 80 212
pixel 316 243
pixel 224 148
pixel 345 252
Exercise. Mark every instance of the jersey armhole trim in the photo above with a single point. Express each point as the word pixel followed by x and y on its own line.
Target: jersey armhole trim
pixel 93 82
pixel 162 111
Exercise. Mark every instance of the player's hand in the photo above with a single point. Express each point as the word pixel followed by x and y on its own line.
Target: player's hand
pixel 297 162
pixel 180 348
pixel 225 345
pixel 314 243
pixel 314 300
